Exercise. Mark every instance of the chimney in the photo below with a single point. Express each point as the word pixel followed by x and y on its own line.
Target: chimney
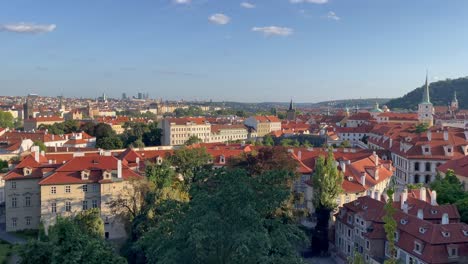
pixel 376 174
pixel 36 156
pixel 376 158
pixel 405 207
pixel 343 166
pixel 299 155
pixel 390 143
pixel 433 198
pixel 421 214
pixel 119 169
pixel 363 178
pixel 445 219
pixel 446 134
pixel 404 197
pixel 138 162
pixel 42 153
pixel 422 194
pixel 429 135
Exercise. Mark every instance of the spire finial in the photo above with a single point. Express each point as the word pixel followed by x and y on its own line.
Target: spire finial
pixel 426 98
pixel 291 105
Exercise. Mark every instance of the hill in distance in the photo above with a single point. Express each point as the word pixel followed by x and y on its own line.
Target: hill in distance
pixel 441 94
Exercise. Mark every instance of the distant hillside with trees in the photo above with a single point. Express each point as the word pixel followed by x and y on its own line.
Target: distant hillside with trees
pixel 441 93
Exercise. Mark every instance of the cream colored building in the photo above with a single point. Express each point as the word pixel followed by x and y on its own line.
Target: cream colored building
pixel 264 124
pixel 37 191
pixel 176 131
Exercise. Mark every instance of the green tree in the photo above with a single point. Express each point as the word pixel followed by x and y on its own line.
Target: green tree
pixel 420 128
pixel 390 226
pixel 228 220
pixel 153 136
pixel 6 120
pixel 268 141
pixel 449 188
pixel 327 182
pixel 41 145
pixel 189 161
pixel 108 143
pixel 357 258
pixel 193 140
pixel 345 144
pixel 91 222
pixel 67 243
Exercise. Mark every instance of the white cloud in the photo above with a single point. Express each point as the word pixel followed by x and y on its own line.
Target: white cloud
pixel 274 31
pixel 309 1
pixel 220 19
pixel 247 5
pixel 30 28
pixel 333 16
pixel 182 2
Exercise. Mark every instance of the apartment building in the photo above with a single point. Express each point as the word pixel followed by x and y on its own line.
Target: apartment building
pixel 38 190
pixel 264 124
pixel 417 155
pixel 176 131
pixel 426 232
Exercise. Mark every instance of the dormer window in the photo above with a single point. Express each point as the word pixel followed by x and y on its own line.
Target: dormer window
pixel 85 175
pixel 445 234
pixel 364 207
pixel 27 171
pixel 417 247
pixel 452 251
pixel 397 236
pixel 107 175
pixel 350 178
pixel 433 211
pixel 159 160
pixel 422 230
pixel 403 221
pixel 222 159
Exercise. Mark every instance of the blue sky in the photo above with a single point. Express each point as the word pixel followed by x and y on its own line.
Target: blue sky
pixel 309 50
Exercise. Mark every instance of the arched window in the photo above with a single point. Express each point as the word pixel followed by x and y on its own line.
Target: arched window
pixel 416 166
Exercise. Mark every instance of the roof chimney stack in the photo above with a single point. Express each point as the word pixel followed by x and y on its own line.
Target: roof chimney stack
pixel 446 135
pixel 363 178
pixel 433 198
pixel 429 135
pixel 404 197
pixel 421 214
pixel 119 169
pixel 422 194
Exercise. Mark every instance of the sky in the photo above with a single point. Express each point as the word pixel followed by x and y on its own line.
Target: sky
pixel 230 50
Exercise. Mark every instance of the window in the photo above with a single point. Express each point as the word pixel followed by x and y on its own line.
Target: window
pixel 53 190
pixel 367 244
pixel 13 185
pixel 68 206
pixel 453 252
pixel 53 207
pixel 27 201
pixel 428 166
pixel 85 205
pixel 411 260
pixel 94 203
pixel 416 166
pixel 67 189
pixel 85 188
pixel 28 220
pixel 95 188
pixel 14 222
pixel 417 247
pixel 14 202
pixel 349 232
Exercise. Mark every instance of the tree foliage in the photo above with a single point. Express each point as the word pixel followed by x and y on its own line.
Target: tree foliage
pixel 451 191
pixel 67 127
pixel 390 226
pixel 228 220
pixel 193 139
pixel 327 182
pixel 41 145
pixel 189 161
pixel 68 242
pixel 6 120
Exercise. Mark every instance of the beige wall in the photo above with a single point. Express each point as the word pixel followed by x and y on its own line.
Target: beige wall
pixel 23 216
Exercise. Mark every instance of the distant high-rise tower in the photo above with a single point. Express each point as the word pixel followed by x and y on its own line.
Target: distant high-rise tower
pixel 425 108
pixel 140 96
pixel 124 96
pixel 291 113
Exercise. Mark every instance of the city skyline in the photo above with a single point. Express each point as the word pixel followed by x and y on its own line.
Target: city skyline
pixel 252 51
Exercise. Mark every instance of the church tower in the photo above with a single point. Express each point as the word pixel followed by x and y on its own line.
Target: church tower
pixel 454 104
pixel 291 113
pixel 425 108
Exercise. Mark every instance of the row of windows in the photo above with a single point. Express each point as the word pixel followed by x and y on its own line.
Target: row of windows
pixel 67 188
pixel 190 129
pixel 188 135
pixel 27 220
pixel 27 202
pixel 68 206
